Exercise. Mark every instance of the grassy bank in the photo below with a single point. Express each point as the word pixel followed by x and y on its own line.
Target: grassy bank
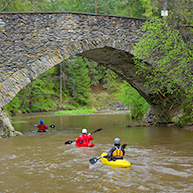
pixel 76 112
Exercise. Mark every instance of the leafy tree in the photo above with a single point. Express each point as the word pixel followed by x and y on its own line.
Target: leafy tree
pixel 170 61
pixel 77 81
pixel 137 104
pixel 133 8
pixel 15 5
pixel 180 10
pixel 111 81
pixel 96 72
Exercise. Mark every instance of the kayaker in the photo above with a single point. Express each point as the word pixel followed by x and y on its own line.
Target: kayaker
pixel 42 127
pixel 116 152
pixel 84 139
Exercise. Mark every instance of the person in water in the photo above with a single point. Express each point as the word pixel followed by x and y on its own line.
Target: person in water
pixel 84 138
pixel 42 127
pixel 116 152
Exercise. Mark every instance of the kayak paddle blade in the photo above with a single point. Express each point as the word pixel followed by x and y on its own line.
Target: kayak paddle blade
pixel 52 126
pixel 69 142
pixel 96 130
pixel 93 160
pixel 124 146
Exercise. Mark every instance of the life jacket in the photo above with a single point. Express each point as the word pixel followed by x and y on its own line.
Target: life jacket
pixel 118 153
pixel 84 139
pixel 42 127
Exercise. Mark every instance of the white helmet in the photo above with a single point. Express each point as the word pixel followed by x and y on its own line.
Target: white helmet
pixel 84 130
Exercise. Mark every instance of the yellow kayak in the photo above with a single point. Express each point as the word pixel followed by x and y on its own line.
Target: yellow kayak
pixel 119 163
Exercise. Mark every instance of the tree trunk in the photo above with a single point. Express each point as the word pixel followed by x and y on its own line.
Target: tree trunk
pixel 61 83
pixel 64 80
pixel 95 6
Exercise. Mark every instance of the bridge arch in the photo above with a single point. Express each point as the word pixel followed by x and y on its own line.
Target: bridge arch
pixel 32 43
pixel 100 50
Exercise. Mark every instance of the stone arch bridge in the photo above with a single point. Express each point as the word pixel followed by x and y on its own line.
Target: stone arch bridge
pixel 32 43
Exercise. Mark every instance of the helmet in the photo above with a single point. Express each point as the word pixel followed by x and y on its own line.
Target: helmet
pixel 41 121
pixel 117 141
pixel 84 130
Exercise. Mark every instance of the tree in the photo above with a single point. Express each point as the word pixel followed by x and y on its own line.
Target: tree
pixel 137 104
pixel 111 81
pixel 180 10
pixel 166 61
pixel 77 81
pixel 15 5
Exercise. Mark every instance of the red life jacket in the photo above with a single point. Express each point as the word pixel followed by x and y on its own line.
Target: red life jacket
pixel 84 139
pixel 42 127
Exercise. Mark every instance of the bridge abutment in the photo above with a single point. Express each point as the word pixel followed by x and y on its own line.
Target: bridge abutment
pixel 6 128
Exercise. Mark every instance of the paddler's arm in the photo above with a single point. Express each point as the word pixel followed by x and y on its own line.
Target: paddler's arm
pixel 109 153
pixel 123 150
pixel 90 137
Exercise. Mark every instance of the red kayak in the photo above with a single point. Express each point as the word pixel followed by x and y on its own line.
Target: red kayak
pixel 89 144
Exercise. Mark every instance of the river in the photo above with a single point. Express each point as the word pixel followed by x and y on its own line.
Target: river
pixel 161 158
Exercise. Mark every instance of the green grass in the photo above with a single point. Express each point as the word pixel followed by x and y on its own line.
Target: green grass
pixel 76 112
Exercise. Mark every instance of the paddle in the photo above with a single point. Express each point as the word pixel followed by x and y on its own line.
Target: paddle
pixel 124 146
pixel 69 142
pixel 52 126
pixel 94 160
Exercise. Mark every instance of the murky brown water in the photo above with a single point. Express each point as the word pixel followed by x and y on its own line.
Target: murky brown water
pixel 162 158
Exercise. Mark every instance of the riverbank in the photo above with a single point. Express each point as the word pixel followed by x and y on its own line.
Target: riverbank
pixel 100 100
pixel 189 128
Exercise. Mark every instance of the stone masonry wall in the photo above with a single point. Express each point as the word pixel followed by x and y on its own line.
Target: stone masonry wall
pixel 32 43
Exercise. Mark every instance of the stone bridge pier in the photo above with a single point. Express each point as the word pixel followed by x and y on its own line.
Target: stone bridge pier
pixel 32 43
pixel 6 128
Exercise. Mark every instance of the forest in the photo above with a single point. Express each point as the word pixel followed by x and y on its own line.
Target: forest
pixel 86 84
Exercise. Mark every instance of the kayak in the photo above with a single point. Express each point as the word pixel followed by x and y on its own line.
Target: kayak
pixel 85 144
pixel 41 130
pixel 119 163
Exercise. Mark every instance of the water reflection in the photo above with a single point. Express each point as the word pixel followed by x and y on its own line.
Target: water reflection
pixel 161 158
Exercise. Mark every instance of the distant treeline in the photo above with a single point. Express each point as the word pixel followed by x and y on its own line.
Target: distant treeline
pixel 181 9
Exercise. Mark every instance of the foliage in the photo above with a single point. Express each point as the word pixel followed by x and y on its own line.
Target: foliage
pixel 111 81
pixel 15 5
pixel 134 100
pixel 165 60
pixel 181 9
pixel 76 112
pixel 140 8
pixel 112 7
pixel 104 99
pixel 96 72
pixel 77 81
pixel 168 55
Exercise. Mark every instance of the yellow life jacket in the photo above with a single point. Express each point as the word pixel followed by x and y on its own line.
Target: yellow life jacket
pixel 117 153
